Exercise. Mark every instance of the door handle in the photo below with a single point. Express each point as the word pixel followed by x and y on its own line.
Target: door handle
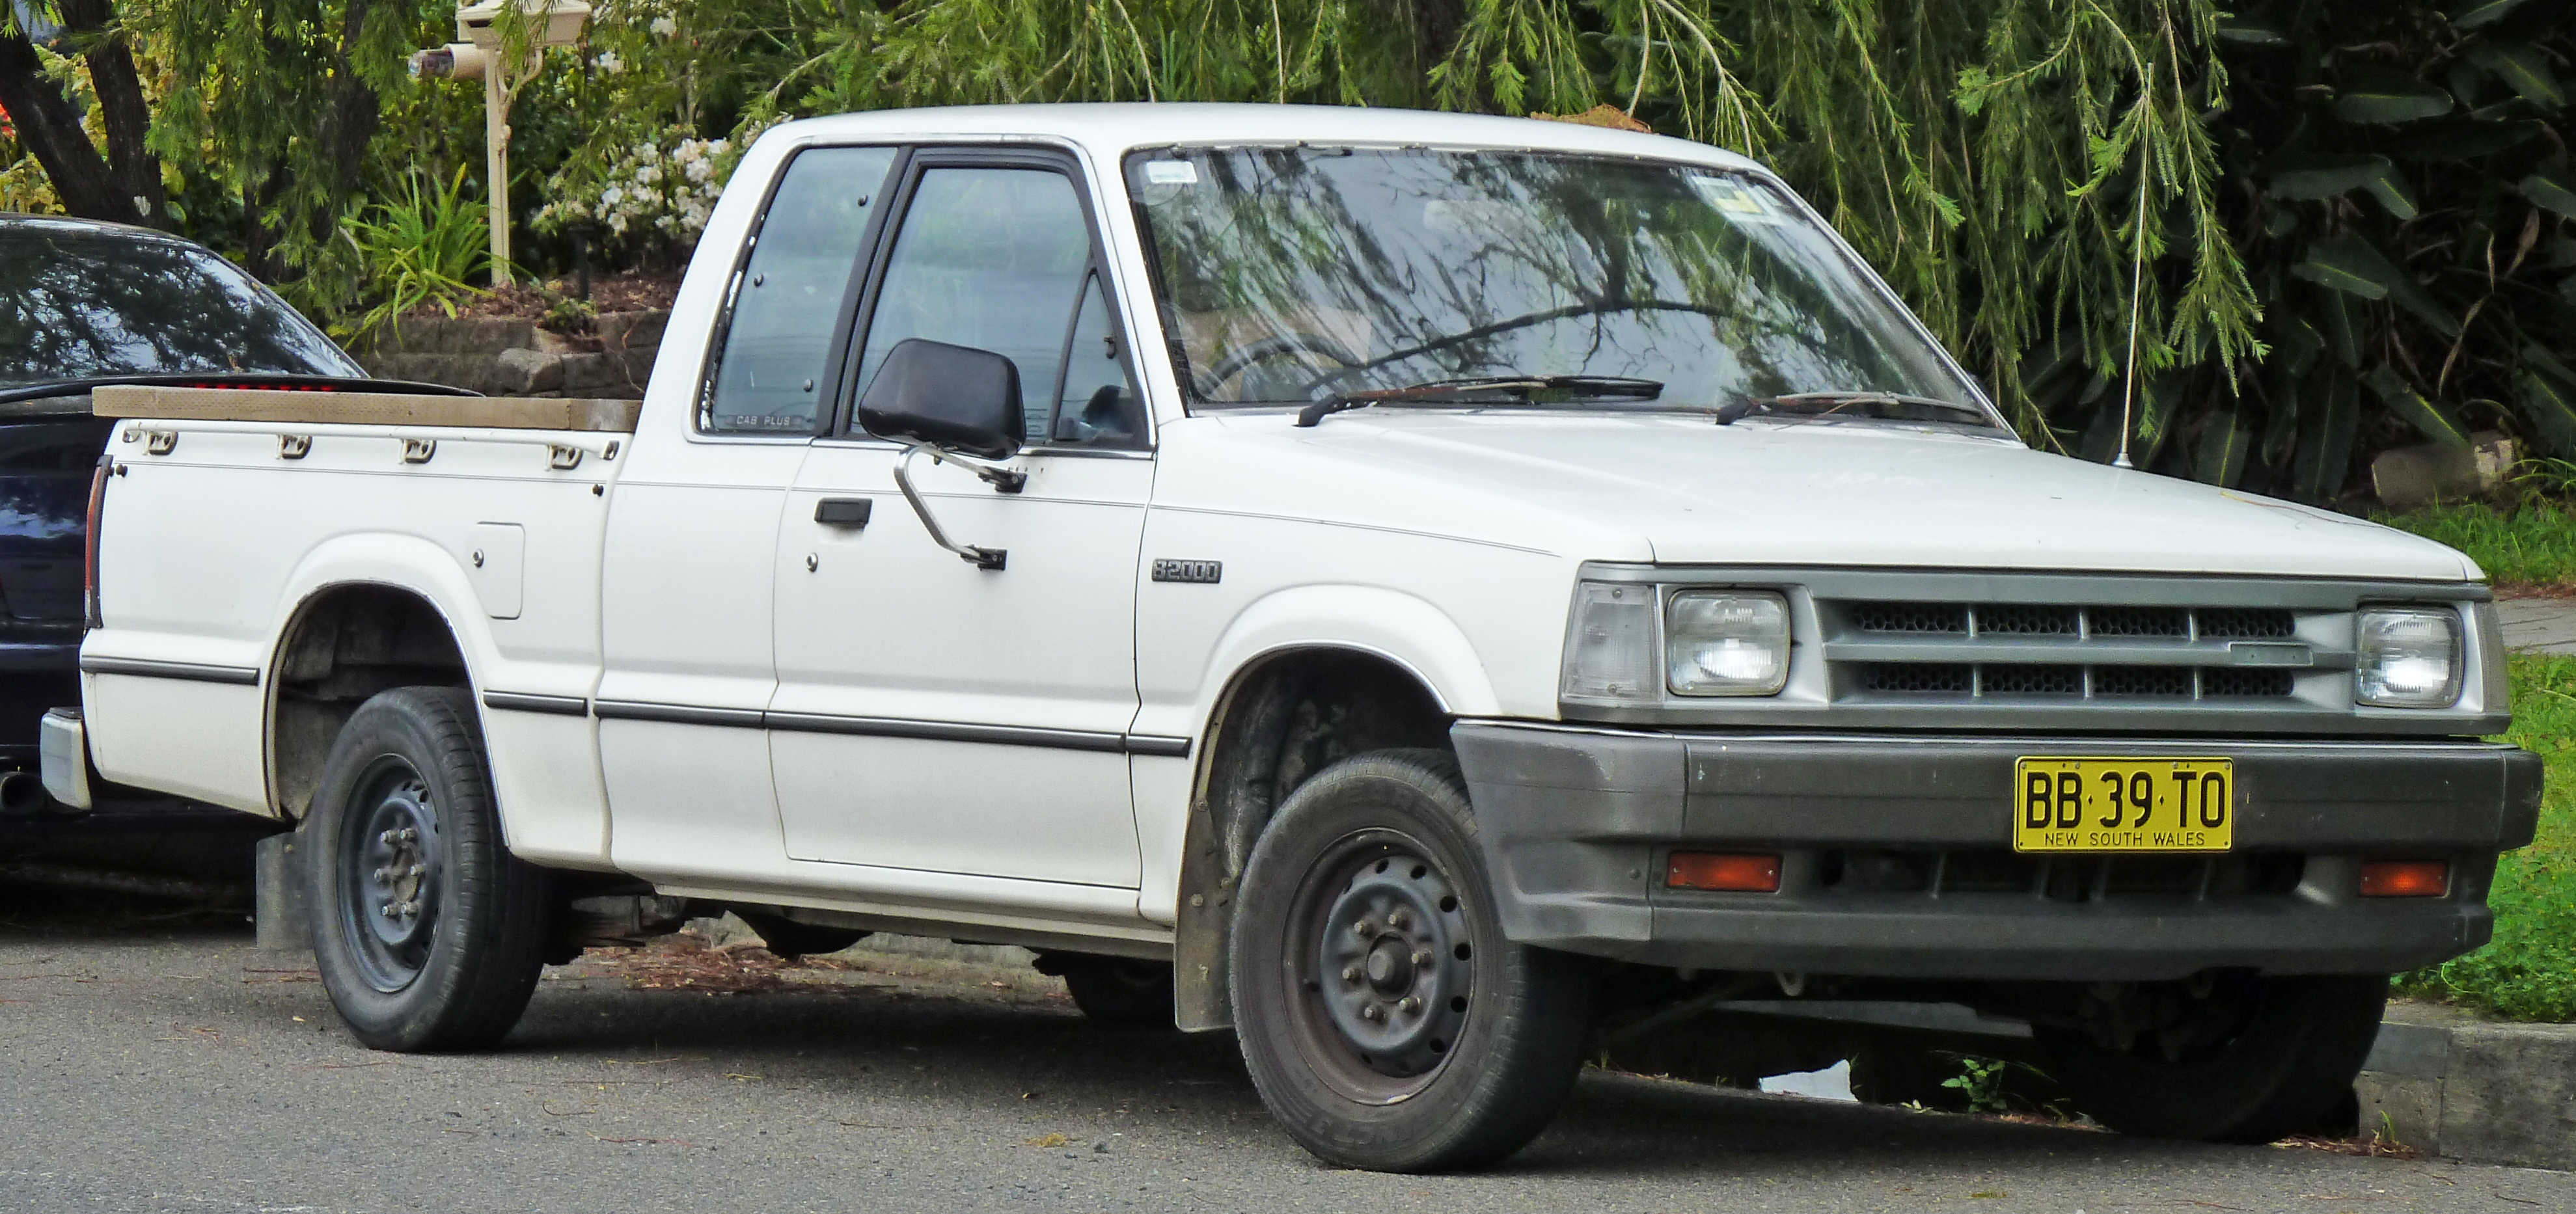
pixel 850 512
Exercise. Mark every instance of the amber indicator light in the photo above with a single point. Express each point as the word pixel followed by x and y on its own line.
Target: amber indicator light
pixel 2405 878
pixel 1730 871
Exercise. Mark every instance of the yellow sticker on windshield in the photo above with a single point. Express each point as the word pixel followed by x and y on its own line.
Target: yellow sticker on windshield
pixel 1729 196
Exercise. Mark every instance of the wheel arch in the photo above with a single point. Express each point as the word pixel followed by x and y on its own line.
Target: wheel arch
pixel 367 614
pixel 1283 715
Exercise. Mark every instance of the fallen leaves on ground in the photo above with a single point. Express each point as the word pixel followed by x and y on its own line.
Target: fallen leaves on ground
pixel 684 962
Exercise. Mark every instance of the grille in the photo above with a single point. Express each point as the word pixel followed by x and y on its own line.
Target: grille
pixel 1904 678
pixel 2222 681
pixel 2244 623
pixel 2137 622
pixel 2062 879
pixel 2060 620
pixel 1959 680
pixel 2028 619
pixel 2031 680
pixel 1931 650
pixel 2166 681
pixel 1910 617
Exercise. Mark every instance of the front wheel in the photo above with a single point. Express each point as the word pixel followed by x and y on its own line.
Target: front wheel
pixel 2226 1057
pixel 428 933
pixel 1384 1018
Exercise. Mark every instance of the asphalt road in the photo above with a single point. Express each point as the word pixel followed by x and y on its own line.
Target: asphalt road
pixel 165 1065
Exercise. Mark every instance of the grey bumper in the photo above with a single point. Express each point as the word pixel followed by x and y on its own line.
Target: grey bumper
pixel 1897 857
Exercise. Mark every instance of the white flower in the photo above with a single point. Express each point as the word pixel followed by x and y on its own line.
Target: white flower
pixel 610 63
pixel 611 196
pixel 647 153
pixel 700 170
pixel 648 174
pixel 664 27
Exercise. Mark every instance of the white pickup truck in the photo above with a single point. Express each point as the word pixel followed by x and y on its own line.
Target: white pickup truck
pixel 1421 590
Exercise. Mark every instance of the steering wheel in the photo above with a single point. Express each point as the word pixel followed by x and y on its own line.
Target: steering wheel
pixel 1292 342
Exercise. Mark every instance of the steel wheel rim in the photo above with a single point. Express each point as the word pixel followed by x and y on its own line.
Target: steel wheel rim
pixel 1380 965
pixel 392 858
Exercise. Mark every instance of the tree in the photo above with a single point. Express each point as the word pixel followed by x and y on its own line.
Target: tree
pixel 125 183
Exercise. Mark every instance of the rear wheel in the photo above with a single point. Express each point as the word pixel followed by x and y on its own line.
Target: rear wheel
pixel 1384 1018
pixel 2226 1057
pixel 429 935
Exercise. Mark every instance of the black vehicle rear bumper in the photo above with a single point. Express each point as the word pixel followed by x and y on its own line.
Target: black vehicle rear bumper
pixel 1896 854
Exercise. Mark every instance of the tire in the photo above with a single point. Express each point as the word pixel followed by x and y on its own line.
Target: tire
pixel 2246 1059
pixel 1115 990
pixel 787 938
pixel 1367 890
pixel 444 954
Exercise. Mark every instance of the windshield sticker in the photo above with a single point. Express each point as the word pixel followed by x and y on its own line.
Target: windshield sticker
pixel 1734 198
pixel 1171 172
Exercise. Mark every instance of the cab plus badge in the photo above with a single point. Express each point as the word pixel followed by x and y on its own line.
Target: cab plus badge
pixel 1189 571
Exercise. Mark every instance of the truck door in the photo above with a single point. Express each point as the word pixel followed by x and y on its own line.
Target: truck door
pixel 685 596
pixel 933 716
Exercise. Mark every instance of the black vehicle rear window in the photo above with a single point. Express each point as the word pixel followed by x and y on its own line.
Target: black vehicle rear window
pixel 81 305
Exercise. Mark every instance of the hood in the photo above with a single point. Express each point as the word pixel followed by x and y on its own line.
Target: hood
pixel 1682 490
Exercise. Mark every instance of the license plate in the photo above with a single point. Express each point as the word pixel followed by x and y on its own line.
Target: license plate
pixel 2123 805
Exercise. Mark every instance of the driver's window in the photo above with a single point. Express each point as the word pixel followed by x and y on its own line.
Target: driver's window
pixel 992 258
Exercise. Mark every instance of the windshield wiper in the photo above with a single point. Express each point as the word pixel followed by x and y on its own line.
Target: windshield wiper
pixel 1529 386
pixel 1829 403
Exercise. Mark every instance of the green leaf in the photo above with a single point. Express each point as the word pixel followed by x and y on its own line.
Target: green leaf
pixel 2353 266
pixel 2246 31
pixel 2476 14
pixel 2224 445
pixel 2548 189
pixel 2386 97
pixel 2540 357
pixel 2325 441
pixel 2342 332
pixel 2328 267
pixel 2297 339
pixel 2551 406
pixel 2463 138
pixel 2333 176
pixel 2523 66
pixel 2429 419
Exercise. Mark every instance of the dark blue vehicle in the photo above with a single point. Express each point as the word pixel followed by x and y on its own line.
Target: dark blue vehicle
pixel 83 305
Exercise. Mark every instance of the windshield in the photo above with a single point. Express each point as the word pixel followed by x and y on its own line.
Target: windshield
pixel 78 305
pixel 1298 274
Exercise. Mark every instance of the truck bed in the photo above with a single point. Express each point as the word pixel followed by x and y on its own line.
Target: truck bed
pixel 229 507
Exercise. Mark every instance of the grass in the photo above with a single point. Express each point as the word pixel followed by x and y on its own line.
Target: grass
pixel 2529 971
pixel 2533 544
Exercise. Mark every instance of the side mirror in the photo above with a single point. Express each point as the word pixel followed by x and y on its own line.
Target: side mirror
pixel 954 398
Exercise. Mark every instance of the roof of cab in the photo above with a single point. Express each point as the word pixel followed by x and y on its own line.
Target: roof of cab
pixel 1112 128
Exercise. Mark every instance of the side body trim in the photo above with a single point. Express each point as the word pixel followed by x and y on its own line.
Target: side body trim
pixel 194 672
pixel 1153 745
pixel 521 701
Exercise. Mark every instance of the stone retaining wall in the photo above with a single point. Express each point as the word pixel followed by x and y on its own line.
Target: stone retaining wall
pixel 504 357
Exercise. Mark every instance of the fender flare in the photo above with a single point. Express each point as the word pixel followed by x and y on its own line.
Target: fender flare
pixel 405 563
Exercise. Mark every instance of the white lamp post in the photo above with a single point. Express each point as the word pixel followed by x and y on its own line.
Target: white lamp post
pixel 479 57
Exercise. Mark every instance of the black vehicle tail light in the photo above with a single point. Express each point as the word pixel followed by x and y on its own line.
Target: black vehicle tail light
pixel 89 542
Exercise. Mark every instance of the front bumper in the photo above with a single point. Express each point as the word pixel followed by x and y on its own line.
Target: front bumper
pixel 1896 854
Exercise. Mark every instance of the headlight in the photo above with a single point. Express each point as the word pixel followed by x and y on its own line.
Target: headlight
pixel 1610 645
pixel 2406 657
pixel 1726 643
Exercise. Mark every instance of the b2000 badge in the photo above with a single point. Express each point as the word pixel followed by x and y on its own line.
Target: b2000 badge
pixel 1188 571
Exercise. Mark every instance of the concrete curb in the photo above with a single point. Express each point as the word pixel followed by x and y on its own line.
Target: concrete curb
pixel 2474 1090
